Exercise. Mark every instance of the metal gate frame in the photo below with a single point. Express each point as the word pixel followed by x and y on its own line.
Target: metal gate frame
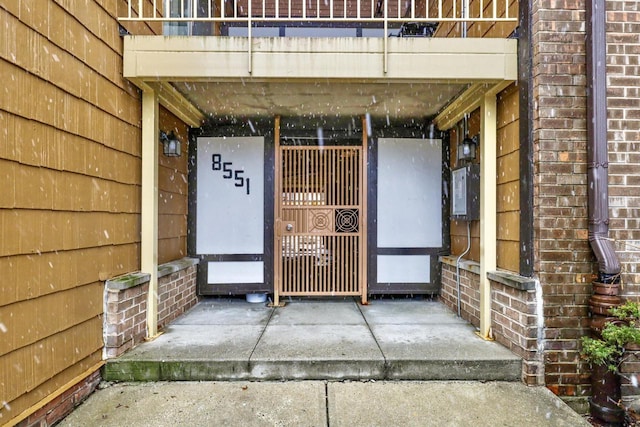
pixel 318 246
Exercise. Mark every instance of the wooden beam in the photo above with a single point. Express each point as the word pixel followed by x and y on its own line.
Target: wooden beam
pixel 149 209
pixel 468 101
pixel 180 106
pixel 488 215
pixel 170 98
pixel 212 58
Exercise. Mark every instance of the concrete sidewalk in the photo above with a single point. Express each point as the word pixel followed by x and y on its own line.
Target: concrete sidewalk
pixel 337 339
pixel 321 403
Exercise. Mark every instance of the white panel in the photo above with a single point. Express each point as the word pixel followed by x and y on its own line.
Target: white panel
pixel 230 200
pixel 228 272
pixel 404 269
pixel 409 193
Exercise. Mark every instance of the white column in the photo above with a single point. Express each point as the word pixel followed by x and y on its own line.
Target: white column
pixel 149 208
pixel 488 207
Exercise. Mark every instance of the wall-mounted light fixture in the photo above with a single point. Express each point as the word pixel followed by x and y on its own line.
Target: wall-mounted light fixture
pixel 170 144
pixel 467 148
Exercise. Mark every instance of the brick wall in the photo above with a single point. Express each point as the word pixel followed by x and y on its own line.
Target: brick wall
pixel 62 405
pixel 513 311
pixel 126 303
pixel 469 290
pixel 630 375
pixel 623 109
pixel 176 294
pixel 563 257
pixel 563 260
pixel 125 316
pixel 514 323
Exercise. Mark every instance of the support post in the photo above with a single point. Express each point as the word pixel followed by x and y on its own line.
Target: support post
pixel 149 208
pixel 488 216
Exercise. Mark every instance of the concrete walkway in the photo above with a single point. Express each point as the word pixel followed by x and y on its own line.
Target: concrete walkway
pixel 320 403
pixel 230 339
pixel 351 356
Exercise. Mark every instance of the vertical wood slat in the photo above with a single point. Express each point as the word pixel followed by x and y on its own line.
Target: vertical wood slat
pixel 319 181
pixel 363 216
pixel 277 206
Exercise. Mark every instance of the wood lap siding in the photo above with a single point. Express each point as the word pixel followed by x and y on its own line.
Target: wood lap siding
pixel 508 183
pixel 507 186
pixel 70 161
pixel 173 192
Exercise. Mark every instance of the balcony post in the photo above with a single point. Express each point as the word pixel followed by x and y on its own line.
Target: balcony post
pixel 149 208
pixel 488 215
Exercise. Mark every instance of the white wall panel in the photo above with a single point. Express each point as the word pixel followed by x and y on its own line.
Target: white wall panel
pixel 404 269
pixel 409 193
pixel 229 272
pixel 230 200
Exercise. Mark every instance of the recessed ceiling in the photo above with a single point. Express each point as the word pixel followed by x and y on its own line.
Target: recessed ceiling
pixel 397 100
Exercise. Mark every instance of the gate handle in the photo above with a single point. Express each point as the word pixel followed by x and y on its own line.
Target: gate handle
pixel 289 227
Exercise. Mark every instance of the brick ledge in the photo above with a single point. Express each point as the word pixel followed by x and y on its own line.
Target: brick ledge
pixel 512 280
pixel 465 264
pixel 506 278
pixel 131 280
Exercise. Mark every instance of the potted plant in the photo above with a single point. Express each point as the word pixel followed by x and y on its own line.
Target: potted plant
pixel 605 354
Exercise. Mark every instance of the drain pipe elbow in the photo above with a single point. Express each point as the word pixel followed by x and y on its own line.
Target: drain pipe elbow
pixel 608 262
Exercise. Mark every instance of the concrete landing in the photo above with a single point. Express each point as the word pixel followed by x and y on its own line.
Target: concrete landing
pixel 230 339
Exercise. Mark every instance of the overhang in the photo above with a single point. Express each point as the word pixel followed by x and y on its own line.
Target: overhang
pixel 393 77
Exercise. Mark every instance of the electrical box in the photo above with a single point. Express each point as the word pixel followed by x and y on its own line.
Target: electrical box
pixel 465 193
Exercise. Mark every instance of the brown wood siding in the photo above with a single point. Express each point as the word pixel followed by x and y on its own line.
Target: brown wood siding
pixel 70 206
pixel 508 184
pixel 476 29
pixel 458 230
pixel 173 192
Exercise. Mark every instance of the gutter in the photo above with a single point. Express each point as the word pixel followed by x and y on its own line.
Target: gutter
pixel 597 153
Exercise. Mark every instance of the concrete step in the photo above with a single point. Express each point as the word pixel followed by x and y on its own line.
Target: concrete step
pixel 317 340
pixel 231 370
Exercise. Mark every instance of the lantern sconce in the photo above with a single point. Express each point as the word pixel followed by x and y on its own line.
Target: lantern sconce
pixel 467 148
pixel 170 144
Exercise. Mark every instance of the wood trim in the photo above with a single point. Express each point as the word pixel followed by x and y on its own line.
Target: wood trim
pixel 261 128
pixel 277 223
pixel 409 251
pixel 372 212
pixel 231 257
pixel 51 397
pixel 149 205
pixel 469 101
pixel 488 215
pixel 175 102
pixel 153 58
pixel 364 216
pixel 525 85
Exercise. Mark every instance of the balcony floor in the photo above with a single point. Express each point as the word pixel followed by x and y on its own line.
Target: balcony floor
pixel 334 339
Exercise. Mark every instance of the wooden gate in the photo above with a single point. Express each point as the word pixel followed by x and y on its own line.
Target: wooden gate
pixel 320 220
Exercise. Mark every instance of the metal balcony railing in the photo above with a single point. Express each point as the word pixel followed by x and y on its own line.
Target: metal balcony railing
pixel 340 12
pixel 317 18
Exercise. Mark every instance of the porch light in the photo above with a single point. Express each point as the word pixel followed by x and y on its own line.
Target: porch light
pixel 467 148
pixel 170 144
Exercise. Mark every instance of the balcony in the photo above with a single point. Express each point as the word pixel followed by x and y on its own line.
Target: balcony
pixel 389 58
pixel 318 18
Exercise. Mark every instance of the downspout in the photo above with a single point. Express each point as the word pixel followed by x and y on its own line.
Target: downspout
pixel 597 153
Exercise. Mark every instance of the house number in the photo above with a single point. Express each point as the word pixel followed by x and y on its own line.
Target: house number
pixel 229 173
